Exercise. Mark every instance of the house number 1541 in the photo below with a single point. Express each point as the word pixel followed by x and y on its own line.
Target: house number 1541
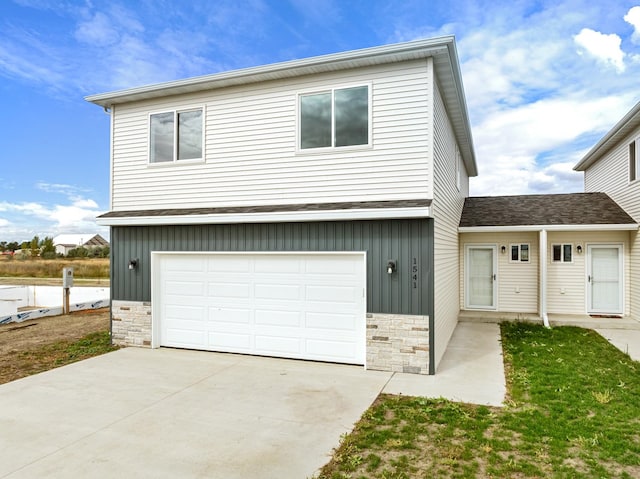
pixel 414 272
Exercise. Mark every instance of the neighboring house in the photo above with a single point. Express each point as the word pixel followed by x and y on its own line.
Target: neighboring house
pixel 306 209
pixel 66 242
pixel 613 166
pixel 533 256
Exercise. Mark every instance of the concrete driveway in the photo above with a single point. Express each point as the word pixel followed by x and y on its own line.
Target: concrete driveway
pixel 171 413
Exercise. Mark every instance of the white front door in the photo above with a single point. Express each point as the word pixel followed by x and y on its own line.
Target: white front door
pixel 604 279
pixel 480 284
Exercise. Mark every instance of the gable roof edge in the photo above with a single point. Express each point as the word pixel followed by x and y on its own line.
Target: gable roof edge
pixel 629 122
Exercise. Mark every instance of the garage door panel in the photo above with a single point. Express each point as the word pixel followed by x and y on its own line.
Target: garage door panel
pixel 192 264
pixel 184 312
pixel 331 321
pixel 320 349
pixel 229 315
pixel 333 266
pixel 278 345
pixel 185 288
pixel 289 292
pixel 278 317
pixel 230 342
pixel 274 265
pixel 307 306
pixel 186 338
pixel 229 290
pixel 341 294
pixel 236 264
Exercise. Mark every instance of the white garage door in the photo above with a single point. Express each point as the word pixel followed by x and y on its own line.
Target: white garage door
pixel 307 306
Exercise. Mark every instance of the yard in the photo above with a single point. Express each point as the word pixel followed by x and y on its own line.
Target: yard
pixel 40 344
pixel 573 412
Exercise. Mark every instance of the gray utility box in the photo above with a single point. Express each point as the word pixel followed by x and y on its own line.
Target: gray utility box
pixel 67 277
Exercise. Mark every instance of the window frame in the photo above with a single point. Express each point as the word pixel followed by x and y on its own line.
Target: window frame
pixel 175 160
pixel 332 148
pixel 633 160
pixel 562 259
pixel 519 246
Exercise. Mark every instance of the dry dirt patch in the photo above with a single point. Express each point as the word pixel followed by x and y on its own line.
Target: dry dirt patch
pixel 21 343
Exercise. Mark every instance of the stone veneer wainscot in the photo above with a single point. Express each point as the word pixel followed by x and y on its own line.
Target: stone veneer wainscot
pixel 395 342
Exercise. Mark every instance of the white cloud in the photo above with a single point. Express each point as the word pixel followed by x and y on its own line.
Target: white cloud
pixel 604 47
pixel 23 220
pixel 633 18
pixel 98 31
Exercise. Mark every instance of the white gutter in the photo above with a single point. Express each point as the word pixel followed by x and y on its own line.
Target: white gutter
pixel 508 229
pixel 270 217
pixel 543 278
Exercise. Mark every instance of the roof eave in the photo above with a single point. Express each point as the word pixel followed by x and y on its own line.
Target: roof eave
pixel 271 217
pixel 629 122
pixel 521 228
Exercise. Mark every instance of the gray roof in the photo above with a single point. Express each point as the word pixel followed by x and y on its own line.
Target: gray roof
pixel 269 208
pixel 442 50
pixel 620 130
pixel 543 210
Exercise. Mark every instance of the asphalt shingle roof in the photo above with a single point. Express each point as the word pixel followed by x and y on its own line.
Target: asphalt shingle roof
pixel 530 210
pixel 270 208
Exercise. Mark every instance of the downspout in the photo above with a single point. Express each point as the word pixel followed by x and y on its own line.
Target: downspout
pixel 543 278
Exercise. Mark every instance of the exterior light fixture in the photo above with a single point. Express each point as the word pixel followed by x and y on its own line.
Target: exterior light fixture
pixel 391 266
pixel 579 249
pixel 133 264
pixel 503 249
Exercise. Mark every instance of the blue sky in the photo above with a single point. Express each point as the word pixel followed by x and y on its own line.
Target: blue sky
pixel 544 80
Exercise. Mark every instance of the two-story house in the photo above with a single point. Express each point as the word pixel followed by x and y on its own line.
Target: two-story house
pixel 306 209
pixel 613 166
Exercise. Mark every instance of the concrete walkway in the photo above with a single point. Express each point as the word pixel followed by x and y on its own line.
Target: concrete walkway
pixel 175 413
pixel 627 341
pixel 471 370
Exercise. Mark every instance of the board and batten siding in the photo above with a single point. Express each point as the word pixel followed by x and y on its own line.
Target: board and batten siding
pixel 610 174
pixel 517 282
pixel 567 282
pixel 250 146
pixel 408 242
pixel 448 202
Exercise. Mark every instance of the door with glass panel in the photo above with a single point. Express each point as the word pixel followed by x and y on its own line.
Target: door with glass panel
pixel 480 277
pixel 604 279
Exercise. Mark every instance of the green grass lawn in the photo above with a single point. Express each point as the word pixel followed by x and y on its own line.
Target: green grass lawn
pixel 573 412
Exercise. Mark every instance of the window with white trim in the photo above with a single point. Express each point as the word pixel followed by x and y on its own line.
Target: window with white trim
pixel 634 160
pixel 176 135
pixel 519 253
pixel 334 118
pixel 562 253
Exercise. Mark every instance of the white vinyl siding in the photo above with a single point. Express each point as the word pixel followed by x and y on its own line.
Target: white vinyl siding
pixel 250 146
pixel 567 282
pixel 517 282
pixel 610 174
pixel 448 201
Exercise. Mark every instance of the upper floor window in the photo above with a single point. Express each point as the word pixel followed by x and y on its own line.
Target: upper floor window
pixel 334 118
pixel 562 253
pixel 175 135
pixel 634 161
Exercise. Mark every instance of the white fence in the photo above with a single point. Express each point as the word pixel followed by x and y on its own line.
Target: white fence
pixel 47 301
